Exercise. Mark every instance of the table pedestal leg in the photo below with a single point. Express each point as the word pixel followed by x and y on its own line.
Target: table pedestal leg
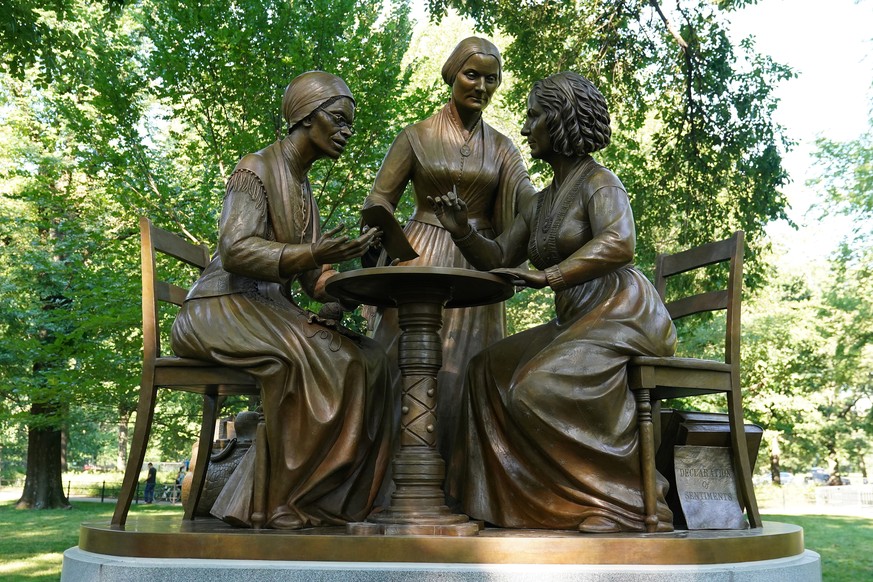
pixel 418 503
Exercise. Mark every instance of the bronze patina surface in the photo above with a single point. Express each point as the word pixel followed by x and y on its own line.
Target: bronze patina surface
pixel 455 149
pixel 327 393
pixel 550 426
pixel 168 537
pixel 380 285
pixel 420 294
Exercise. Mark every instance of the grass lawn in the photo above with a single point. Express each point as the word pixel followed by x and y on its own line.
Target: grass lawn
pixel 845 544
pixel 33 542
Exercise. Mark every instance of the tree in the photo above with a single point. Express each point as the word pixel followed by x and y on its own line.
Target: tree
pixel 36 297
pixel 115 109
pixel 145 108
pixel 808 362
pixel 846 179
pixel 785 368
pixel 693 138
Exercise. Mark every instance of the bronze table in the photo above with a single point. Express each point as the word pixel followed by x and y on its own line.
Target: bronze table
pixel 420 294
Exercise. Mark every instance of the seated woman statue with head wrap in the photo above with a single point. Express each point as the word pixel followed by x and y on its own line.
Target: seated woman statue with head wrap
pixel 327 393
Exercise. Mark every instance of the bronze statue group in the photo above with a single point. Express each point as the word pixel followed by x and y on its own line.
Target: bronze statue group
pixel 538 429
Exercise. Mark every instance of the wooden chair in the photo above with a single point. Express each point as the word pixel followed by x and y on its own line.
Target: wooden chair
pixel 654 379
pixel 212 381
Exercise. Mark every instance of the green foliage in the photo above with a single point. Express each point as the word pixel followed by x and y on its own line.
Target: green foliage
pixel 847 182
pixel 806 378
pixel 846 185
pixel 113 109
pixel 693 138
pixel 528 308
pixel 144 109
pixel 218 72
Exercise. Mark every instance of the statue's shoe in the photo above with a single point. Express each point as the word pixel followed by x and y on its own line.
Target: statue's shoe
pixel 597 524
pixel 286 521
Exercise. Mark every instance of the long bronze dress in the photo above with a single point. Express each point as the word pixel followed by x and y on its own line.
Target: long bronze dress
pixel 551 434
pixel 492 181
pixel 328 393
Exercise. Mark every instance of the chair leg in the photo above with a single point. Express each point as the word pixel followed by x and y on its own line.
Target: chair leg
pixel 262 464
pixel 656 426
pixel 647 458
pixel 145 411
pixel 207 432
pixel 742 465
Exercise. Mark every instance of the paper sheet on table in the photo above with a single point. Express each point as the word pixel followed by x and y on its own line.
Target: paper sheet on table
pixel 393 239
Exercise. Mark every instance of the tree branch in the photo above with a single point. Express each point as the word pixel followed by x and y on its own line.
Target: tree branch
pixel 681 41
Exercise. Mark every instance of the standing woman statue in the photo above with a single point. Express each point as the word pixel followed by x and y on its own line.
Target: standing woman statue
pixel 454 150
pixel 327 393
pixel 550 433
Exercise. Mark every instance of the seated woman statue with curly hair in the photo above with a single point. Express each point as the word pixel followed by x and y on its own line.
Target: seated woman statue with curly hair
pixel 550 437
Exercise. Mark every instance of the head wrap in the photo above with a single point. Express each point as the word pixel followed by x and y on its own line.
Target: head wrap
pixel 309 90
pixel 467 48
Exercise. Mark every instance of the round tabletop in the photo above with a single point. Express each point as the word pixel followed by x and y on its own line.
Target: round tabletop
pixel 380 286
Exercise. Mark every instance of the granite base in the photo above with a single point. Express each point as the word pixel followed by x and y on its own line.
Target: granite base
pixel 83 566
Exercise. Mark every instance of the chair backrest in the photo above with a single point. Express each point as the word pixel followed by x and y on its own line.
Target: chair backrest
pixel 156 240
pixel 729 298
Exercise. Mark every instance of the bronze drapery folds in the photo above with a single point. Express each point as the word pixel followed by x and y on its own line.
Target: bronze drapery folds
pixel 550 439
pixel 454 150
pixel 327 394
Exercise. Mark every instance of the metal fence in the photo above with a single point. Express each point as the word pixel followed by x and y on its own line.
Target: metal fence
pixel 845 495
pixel 108 492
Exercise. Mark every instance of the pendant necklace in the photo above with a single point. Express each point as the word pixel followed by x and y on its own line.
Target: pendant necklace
pixel 465 149
pixel 299 212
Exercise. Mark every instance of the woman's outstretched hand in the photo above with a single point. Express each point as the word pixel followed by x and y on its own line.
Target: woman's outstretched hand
pixel 331 248
pixel 524 277
pixel 451 211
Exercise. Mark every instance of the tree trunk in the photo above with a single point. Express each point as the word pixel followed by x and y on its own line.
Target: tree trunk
pixel 43 486
pixel 775 469
pixel 123 421
pixel 65 442
pixel 835 478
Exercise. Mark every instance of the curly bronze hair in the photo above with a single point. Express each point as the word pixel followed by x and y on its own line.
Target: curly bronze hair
pixel 576 113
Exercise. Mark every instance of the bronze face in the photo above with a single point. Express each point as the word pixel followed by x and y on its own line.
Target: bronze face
pixel 332 126
pixel 476 82
pixel 536 130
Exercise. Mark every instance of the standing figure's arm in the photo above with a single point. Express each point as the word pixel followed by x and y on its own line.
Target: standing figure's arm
pixel 394 174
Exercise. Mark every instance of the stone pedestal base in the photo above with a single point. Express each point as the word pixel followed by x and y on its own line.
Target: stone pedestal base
pixel 468 528
pixel 82 566
pixel 154 548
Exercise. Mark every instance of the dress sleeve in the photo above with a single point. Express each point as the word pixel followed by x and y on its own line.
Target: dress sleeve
pixel 244 241
pixel 611 246
pixel 394 174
